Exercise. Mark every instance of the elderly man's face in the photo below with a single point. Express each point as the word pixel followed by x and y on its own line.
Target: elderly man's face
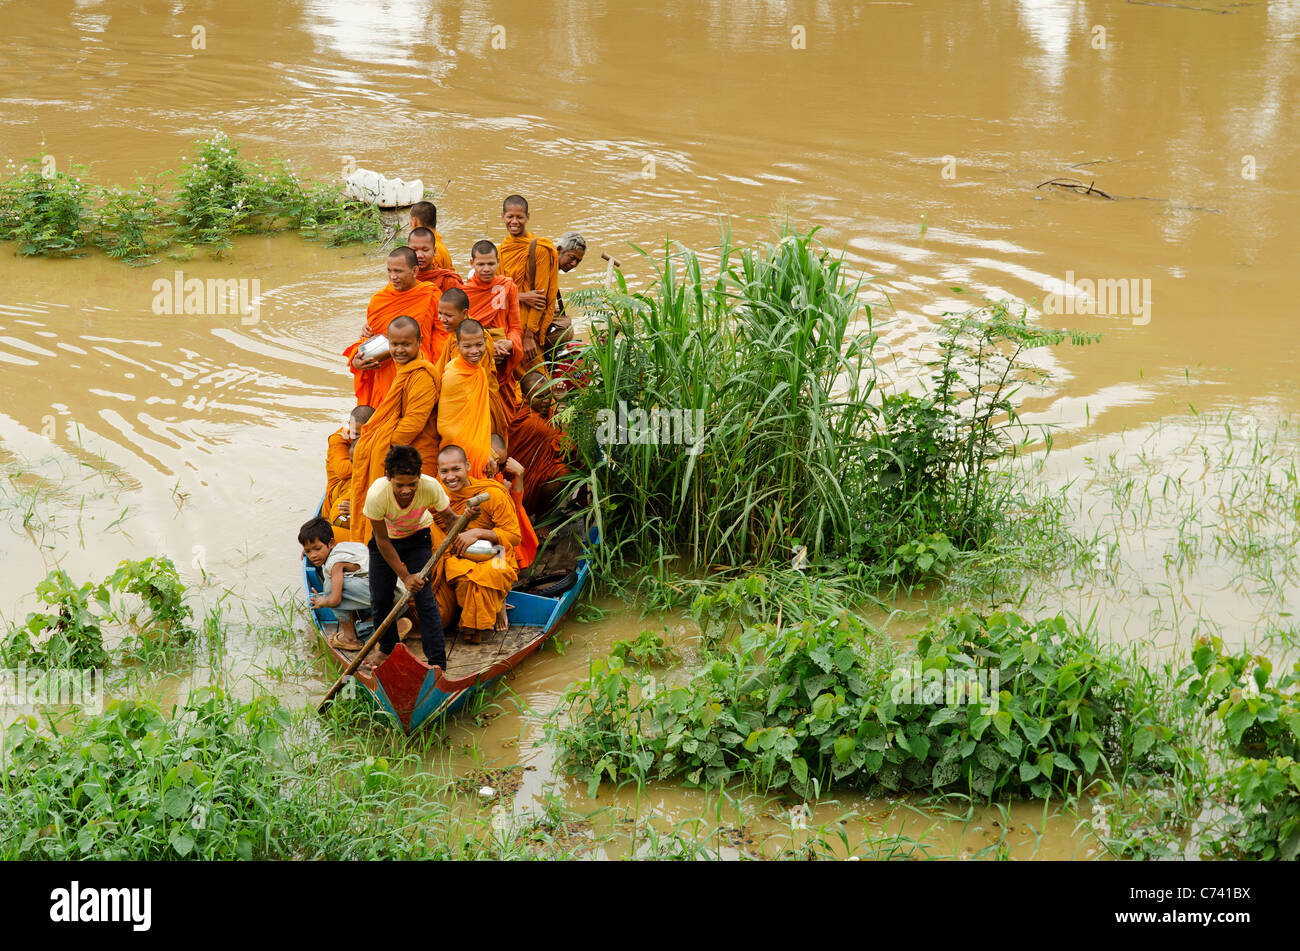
pixel 571 259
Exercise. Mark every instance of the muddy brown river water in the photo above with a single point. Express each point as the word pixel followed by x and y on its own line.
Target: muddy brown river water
pixel 914 133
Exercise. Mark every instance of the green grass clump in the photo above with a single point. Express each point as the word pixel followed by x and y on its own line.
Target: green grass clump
pixel 766 436
pixel 220 779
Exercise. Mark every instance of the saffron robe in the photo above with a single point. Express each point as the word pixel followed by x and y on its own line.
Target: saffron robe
pixel 338 481
pixel 419 303
pixel 538 447
pixel 440 277
pixel 470 410
pixel 496 307
pixel 405 418
pixel 441 257
pixel 527 549
pixel 545 278
pixel 479 587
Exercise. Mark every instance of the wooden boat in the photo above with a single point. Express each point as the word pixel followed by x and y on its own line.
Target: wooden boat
pixel 414 693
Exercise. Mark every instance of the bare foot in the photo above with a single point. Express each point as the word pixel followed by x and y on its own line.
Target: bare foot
pixel 373 661
pixel 503 623
pixel 470 636
pixel 403 628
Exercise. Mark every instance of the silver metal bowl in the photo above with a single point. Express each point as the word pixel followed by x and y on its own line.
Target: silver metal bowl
pixel 376 348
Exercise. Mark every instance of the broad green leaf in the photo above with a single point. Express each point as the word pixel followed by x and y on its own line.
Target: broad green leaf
pixel 1046 764
pixel 182 843
pixel 824 706
pixel 800 769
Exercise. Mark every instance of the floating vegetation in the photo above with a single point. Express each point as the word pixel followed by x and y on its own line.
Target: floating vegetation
pixel 218 196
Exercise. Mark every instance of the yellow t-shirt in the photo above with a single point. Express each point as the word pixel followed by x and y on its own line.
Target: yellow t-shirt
pixel 403 522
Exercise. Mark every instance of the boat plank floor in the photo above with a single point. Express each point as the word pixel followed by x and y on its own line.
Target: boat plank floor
pixel 464 659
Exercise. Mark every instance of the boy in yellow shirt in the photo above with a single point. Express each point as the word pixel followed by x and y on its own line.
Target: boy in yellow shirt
pixel 398 505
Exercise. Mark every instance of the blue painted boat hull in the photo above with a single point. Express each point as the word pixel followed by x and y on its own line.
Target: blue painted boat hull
pixel 415 694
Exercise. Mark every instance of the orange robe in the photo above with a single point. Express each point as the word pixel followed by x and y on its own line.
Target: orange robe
pixel 496 307
pixel 440 277
pixel 543 275
pixel 441 257
pixel 479 587
pixel 419 303
pixel 406 417
pixel 527 549
pixel 470 410
pixel 537 446
pixel 338 482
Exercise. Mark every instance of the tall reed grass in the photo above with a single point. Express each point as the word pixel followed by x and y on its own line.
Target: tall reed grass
pixel 771 350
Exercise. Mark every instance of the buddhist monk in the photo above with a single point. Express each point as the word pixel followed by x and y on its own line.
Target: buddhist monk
pixel 511 474
pixel 453 307
pixel 421 242
pixel 494 303
pixel 398 506
pixel 533 264
pixel 469 409
pixel 537 445
pixel 406 417
pixel 572 248
pixel 424 214
pixel 477 583
pixel 337 507
pixel 402 296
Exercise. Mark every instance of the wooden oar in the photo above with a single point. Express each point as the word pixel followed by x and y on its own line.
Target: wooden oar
pixel 471 509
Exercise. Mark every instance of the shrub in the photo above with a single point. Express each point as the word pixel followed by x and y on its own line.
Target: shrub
pixel 1020 709
pixel 73 634
pixel 44 212
pixel 1260 724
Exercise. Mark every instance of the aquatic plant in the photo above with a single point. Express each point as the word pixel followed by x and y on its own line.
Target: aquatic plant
pixel 72 636
pixel 223 779
pixel 1258 717
pixel 990 706
pixel 646 649
pixel 45 211
pixel 760 429
pixel 219 195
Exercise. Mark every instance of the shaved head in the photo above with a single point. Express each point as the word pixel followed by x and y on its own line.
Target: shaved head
pixel 454 452
pixel 456 298
pixel 482 247
pixel 420 233
pixel 519 201
pixel 468 326
pixel 406 254
pixel 398 323
pixel 425 213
